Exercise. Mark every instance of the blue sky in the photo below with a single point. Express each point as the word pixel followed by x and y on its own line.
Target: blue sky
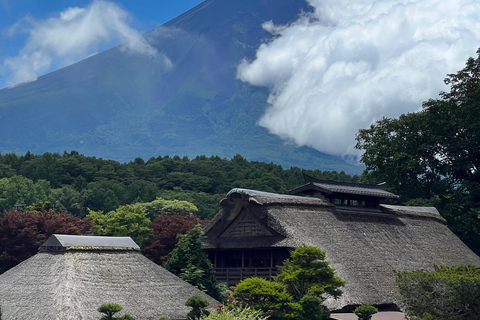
pixel 23 21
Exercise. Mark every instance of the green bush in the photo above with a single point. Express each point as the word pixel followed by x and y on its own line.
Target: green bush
pixel 306 271
pixel 198 305
pixel 446 293
pixel 235 314
pixel 164 318
pixel 365 311
pixel 312 308
pixel 110 309
pixel 271 298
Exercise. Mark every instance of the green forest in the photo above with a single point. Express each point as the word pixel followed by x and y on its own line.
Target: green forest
pixel 71 182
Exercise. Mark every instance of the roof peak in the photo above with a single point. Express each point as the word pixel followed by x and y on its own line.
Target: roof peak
pixel 63 242
pixel 307 178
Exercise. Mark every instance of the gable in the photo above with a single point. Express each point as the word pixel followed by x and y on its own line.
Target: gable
pixel 246 225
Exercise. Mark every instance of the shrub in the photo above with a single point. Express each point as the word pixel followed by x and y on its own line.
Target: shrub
pixel 446 293
pixel 164 318
pixel 198 305
pixel 235 314
pixel 271 298
pixel 365 311
pixel 110 309
pixel 312 308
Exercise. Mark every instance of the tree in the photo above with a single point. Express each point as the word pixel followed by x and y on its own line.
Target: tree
pixel 434 152
pixel 307 272
pixel 22 233
pixel 166 229
pixel 269 297
pixel 160 205
pixel 296 293
pixel 449 292
pixel 190 263
pixel 110 309
pixel 18 189
pixel 128 220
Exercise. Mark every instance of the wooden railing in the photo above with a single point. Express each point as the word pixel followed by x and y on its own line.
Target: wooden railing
pixel 233 276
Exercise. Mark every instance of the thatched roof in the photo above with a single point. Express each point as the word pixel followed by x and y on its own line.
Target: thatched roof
pixel 72 284
pixel 365 246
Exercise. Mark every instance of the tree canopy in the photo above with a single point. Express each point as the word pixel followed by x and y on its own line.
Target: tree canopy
pixel 434 154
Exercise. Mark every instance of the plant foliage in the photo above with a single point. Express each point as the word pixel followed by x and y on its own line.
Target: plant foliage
pixel 198 305
pixel 190 263
pixel 447 293
pixel 365 311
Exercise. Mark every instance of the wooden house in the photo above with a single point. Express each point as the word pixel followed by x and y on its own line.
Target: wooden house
pixel 365 243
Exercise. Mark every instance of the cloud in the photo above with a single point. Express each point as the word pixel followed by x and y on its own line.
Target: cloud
pixel 73 35
pixel 349 63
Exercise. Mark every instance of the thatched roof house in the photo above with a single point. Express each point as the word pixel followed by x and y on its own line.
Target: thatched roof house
pixel 254 230
pixel 72 276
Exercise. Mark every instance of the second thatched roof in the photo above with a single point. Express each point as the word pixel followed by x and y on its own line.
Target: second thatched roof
pixel 70 284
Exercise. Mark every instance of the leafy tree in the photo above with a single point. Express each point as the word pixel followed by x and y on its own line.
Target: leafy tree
pixel 128 220
pixel 434 152
pixel 307 272
pixel 22 233
pixel 189 262
pixel 110 309
pixel 271 298
pixel 18 189
pixel 449 292
pixel 296 293
pixel 365 311
pixel 166 229
pixel 198 305
pixel 68 200
pixel 160 205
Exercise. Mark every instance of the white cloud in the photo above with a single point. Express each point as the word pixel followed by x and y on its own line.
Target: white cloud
pixel 352 62
pixel 74 34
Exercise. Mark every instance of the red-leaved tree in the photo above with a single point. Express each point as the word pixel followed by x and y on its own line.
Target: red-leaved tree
pixel 166 229
pixel 22 233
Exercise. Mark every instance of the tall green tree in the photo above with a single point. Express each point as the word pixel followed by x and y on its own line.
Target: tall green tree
pixel 307 272
pixel 434 153
pixel 190 263
pixel 128 220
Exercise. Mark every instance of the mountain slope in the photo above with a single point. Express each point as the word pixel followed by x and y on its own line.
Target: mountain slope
pixel 120 105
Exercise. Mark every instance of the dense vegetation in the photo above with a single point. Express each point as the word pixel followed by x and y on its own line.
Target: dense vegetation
pixel 73 182
pixel 447 293
pixel 432 157
pixel 296 292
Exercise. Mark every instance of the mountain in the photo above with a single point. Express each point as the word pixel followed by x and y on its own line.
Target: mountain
pixel 120 105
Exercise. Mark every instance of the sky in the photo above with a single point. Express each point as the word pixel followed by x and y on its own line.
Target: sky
pixel 332 72
pixel 37 37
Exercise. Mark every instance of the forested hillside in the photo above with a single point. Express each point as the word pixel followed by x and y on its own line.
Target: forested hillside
pixel 72 182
